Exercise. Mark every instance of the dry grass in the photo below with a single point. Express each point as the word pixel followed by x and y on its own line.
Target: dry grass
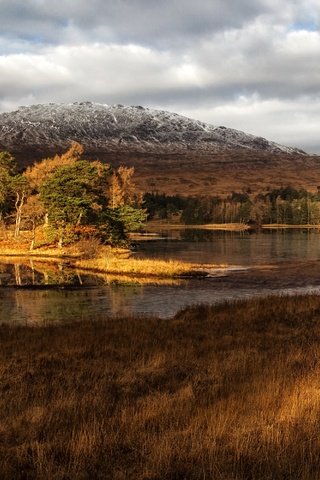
pixel 108 260
pixel 130 279
pixel 238 227
pixel 50 268
pixel 195 173
pixel 227 392
pixel 275 226
pixel 144 267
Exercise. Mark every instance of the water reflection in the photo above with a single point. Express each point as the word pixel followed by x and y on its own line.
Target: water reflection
pixel 40 293
pixel 35 307
pixel 31 273
pixel 234 248
pixel 280 262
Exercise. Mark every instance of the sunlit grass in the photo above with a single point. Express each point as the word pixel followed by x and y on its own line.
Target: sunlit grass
pixel 133 280
pixel 156 225
pixel 106 259
pixel 228 392
pixel 147 267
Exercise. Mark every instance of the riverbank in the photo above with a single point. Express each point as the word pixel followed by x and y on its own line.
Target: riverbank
pixel 275 226
pixel 107 260
pixel 152 228
pixel 229 391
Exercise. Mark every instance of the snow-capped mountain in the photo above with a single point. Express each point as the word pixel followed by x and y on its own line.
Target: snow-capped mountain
pixel 117 128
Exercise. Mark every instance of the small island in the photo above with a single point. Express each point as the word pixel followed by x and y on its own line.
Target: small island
pixel 68 209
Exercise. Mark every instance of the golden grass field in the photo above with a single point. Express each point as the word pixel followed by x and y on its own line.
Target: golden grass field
pixel 225 392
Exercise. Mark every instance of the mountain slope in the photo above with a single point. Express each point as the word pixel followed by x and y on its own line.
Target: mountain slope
pixel 117 128
pixel 171 153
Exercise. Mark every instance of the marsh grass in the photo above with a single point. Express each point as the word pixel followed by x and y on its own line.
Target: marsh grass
pixel 218 392
pixel 106 259
pixel 114 264
pixel 237 227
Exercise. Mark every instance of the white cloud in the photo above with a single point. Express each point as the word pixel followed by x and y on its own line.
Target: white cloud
pixel 251 64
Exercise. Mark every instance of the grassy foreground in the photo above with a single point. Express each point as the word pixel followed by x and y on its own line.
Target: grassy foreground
pixel 225 392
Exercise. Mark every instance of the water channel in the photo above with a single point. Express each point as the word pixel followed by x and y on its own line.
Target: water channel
pixel 253 264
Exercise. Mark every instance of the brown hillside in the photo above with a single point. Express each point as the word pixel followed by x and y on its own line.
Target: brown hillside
pixel 214 174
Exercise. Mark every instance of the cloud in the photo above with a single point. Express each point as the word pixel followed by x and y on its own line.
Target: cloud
pixel 253 65
pixel 123 21
pixel 160 23
pixel 288 123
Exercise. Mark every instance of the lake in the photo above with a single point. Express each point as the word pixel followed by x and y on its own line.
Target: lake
pixel 245 248
pixel 259 264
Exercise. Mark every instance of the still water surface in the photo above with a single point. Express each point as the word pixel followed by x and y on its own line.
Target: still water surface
pixel 234 248
pixel 272 262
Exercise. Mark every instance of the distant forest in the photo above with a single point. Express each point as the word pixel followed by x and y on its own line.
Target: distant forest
pixel 282 206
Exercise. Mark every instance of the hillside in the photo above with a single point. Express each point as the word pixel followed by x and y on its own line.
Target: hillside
pixel 171 153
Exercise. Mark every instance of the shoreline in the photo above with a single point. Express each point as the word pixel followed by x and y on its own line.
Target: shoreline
pixel 115 264
pixel 207 226
pixel 229 227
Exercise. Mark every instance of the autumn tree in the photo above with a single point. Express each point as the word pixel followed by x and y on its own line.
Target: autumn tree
pixel 124 201
pixel 7 173
pixel 33 212
pixel 40 171
pixel 14 189
pixel 70 192
pixel 123 189
pixel 20 188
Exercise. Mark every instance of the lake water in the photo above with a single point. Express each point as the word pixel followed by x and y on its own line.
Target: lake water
pixel 234 248
pixel 262 263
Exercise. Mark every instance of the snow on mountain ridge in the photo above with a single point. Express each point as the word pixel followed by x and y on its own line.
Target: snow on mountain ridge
pixel 122 128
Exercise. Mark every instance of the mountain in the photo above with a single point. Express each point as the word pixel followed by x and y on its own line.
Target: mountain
pixel 171 153
pixel 118 128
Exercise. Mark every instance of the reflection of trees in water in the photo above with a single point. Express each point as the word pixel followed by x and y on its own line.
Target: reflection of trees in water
pixel 120 297
pixel 195 235
pixel 114 294
pixel 44 306
pixel 23 307
pixel 51 306
pixel 202 235
pixel 7 305
pixel 37 273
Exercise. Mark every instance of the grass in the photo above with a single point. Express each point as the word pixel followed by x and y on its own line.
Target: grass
pixel 272 226
pixel 105 259
pixel 154 225
pixel 144 267
pixel 224 392
pixel 118 263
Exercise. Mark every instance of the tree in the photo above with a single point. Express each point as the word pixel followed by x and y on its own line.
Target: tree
pixel 132 218
pixel 122 189
pixel 75 194
pixel 33 212
pixel 20 187
pixel 40 171
pixel 7 173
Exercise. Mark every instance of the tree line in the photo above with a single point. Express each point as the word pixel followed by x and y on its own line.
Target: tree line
pixel 70 197
pixel 285 205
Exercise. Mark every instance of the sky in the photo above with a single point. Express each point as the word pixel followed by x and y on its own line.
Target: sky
pixel 253 65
